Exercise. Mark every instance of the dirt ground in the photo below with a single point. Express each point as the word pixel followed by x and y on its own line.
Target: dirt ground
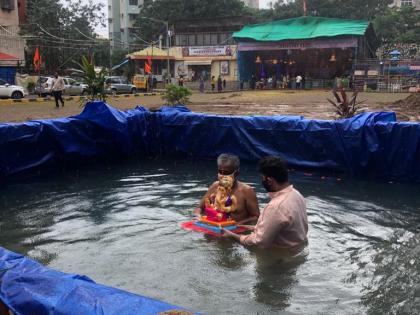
pixel 310 104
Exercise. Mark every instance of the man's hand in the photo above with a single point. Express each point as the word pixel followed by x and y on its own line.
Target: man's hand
pixel 197 214
pixel 229 234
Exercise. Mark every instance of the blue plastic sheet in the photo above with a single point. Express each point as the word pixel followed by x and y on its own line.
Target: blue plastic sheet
pixel 30 288
pixel 367 145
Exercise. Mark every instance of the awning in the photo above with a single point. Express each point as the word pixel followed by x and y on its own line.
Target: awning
pixel 301 28
pixel 154 53
pixel 7 57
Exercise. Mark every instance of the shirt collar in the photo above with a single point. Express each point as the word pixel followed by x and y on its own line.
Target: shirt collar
pixel 282 192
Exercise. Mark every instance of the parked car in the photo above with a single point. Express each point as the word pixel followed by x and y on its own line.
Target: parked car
pixel 71 86
pixel 11 91
pixel 119 85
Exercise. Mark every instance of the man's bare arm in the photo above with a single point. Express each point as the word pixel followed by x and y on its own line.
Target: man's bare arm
pixel 252 204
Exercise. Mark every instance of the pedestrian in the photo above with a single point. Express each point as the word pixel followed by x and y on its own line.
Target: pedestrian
pixel 201 84
pixel 219 84
pixel 57 90
pixel 252 82
pixel 181 81
pixel 298 81
pixel 150 82
pixel 224 84
pixel 213 83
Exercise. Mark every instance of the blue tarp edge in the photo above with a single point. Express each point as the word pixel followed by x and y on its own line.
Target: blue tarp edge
pixel 27 287
pixel 367 145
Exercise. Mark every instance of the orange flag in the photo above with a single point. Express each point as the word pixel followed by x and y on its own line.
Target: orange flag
pixel 148 65
pixel 37 60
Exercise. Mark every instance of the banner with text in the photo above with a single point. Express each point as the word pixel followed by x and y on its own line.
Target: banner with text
pixel 201 51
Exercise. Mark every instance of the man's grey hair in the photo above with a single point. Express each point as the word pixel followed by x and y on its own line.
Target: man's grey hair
pixel 230 159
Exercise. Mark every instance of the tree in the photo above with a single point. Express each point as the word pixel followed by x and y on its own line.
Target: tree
pixel 398 26
pixel 172 10
pixel 64 32
pixel 354 9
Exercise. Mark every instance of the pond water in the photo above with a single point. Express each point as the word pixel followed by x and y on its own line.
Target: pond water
pixel 120 226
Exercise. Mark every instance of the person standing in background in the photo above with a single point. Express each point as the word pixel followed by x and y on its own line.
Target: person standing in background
pixel 57 90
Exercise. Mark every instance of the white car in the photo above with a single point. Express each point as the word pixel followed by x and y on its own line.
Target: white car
pixel 11 91
pixel 71 86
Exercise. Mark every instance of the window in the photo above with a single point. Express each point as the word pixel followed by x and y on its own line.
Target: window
pixel 200 39
pixel 7 4
pixel 2 82
pixel 214 40
pixel 133 2
pixel 191 40
pixel 132 17
pixel 406 3
pixel 207 41
pixel 183 40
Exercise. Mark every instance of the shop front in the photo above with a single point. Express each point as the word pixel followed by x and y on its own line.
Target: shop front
pixel 318 49
pixel 193 63
pixel 152 60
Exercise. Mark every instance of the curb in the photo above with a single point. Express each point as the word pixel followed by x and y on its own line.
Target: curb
pixel 68 98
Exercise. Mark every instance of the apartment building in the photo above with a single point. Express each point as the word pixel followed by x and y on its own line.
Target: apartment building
pixel 413 3
pixel 12 46
pixel 122 15
pixel 252 3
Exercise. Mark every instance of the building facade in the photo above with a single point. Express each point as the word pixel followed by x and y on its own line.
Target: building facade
pixel 204 48
pixel 10 41
pixel 413 3
pixel 252 3
pixel 122 15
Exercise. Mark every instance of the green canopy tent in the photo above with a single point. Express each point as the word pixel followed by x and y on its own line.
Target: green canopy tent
pixel 308 40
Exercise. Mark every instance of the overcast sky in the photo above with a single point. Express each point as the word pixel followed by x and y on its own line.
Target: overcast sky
pixel 103 31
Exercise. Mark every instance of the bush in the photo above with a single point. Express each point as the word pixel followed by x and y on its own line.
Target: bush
pixel 345 107
pixel 176 95
pixel 31 86
pixel 95 81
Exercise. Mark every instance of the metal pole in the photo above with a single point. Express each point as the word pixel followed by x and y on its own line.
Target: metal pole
pixel 110 57
pixel 168 46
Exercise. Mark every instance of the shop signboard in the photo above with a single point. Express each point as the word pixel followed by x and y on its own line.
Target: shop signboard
pixel 206 51
pixel 299 44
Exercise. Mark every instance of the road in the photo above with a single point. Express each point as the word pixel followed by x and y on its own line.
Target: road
pixel 310 104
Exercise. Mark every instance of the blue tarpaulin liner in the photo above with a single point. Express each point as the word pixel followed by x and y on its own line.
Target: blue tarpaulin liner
pixel 367 145
pixel 30 288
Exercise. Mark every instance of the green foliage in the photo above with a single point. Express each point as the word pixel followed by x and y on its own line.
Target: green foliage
pixel 95 81
pixel 392 25
pixel 354 9
pixel 48 21
pixel 176 95
pixel 345 107
pixel 31 86
pixel 398 25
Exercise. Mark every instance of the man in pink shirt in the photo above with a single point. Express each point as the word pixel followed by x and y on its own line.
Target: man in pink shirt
pixel 283 222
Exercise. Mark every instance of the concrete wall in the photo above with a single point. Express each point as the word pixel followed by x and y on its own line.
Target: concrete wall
pixel 10 41
pixel 9 17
